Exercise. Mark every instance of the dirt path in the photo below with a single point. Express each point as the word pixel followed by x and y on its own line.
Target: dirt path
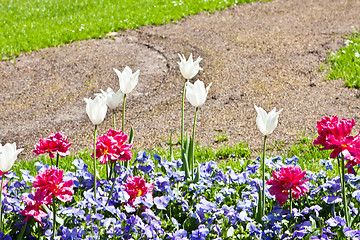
pixel 266 54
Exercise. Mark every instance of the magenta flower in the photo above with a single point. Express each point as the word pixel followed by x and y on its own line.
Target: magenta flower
pixel 106 149
pixel 55 143
pixel 123 149
pixel 51 181
pixel 136 186
pixel 288 178
pixel 112 146
pixel 335 134
pixel 34 203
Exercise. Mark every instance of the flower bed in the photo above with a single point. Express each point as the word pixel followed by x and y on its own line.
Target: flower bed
pixel 155 198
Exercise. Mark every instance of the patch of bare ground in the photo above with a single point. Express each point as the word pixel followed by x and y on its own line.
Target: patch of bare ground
pixel 264 53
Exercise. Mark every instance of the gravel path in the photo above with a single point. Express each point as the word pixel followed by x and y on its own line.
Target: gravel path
pixel 264 53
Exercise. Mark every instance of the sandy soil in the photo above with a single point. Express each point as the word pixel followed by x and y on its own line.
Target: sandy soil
pixel 264 53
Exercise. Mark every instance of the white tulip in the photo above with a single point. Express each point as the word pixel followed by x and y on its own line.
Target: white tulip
pixel 196 93
pixel 266 122
pixel 189 68
pixel 8 155
pixel 127 79
pixel 113 99
pixel 96 109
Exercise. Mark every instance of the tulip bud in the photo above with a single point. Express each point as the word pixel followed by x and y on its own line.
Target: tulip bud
pixel 189 68
pixel 113 99
pixel 96 109
pixel 127 79
pixel 266 122
pixel 196 93
pixel 8 155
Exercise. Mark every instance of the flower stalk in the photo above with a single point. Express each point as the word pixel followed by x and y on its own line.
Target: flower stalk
pixel 263 180
pixel 57 160
pixel 94 163
pixel 182 116
pixel 193 140
pixel 123 115
pixel 1 208
pixel 54 215
pixel 291 200
pixel 343 190
pixel 112 188
pixel 114 122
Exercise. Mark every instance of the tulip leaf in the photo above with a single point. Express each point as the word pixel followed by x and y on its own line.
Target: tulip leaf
pixel 131 137
pixel 186 166
pixel 191 156
pixel 20 237
pixel 197 177
pixel 259 206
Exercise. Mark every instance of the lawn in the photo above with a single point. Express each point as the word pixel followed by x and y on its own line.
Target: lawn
pixel 345 64
pixel 27 25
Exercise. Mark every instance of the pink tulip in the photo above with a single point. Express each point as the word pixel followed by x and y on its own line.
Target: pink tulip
pixel 34 203
pixel 55 143
pixel 106 149
pixel 284 180
pixel 335 134
pixel 136 186
pixel 51 181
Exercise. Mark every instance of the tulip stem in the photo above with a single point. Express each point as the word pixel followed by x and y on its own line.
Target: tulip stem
pixel 1 208
pixel 95 162
pixel 123 115
pixel 112 189
pixel 182 115
pixel 111 170
pixel 54 215
pixel 291 200
pixel 57 160
pixel 263 179
pixel 193 139
pixel 343 190
pixel 114 123
pixel 107 170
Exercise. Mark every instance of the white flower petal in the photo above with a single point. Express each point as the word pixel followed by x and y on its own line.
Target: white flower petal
pixel 189 68
pixel 266 122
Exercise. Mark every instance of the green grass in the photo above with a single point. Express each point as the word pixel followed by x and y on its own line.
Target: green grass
pixel 346 63
pixel 27 25
pixel 236 156
pixel 309 154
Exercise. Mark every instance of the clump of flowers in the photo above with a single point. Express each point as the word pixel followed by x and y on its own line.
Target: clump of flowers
pixel 136 187
pixel 112 146
pixel 288 180
pixel 56 143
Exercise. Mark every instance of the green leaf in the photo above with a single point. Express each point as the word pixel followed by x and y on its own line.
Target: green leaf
pixel 259 206
pixel 190 155
pixel 131 137
pixel 197 177
pixel 186 166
